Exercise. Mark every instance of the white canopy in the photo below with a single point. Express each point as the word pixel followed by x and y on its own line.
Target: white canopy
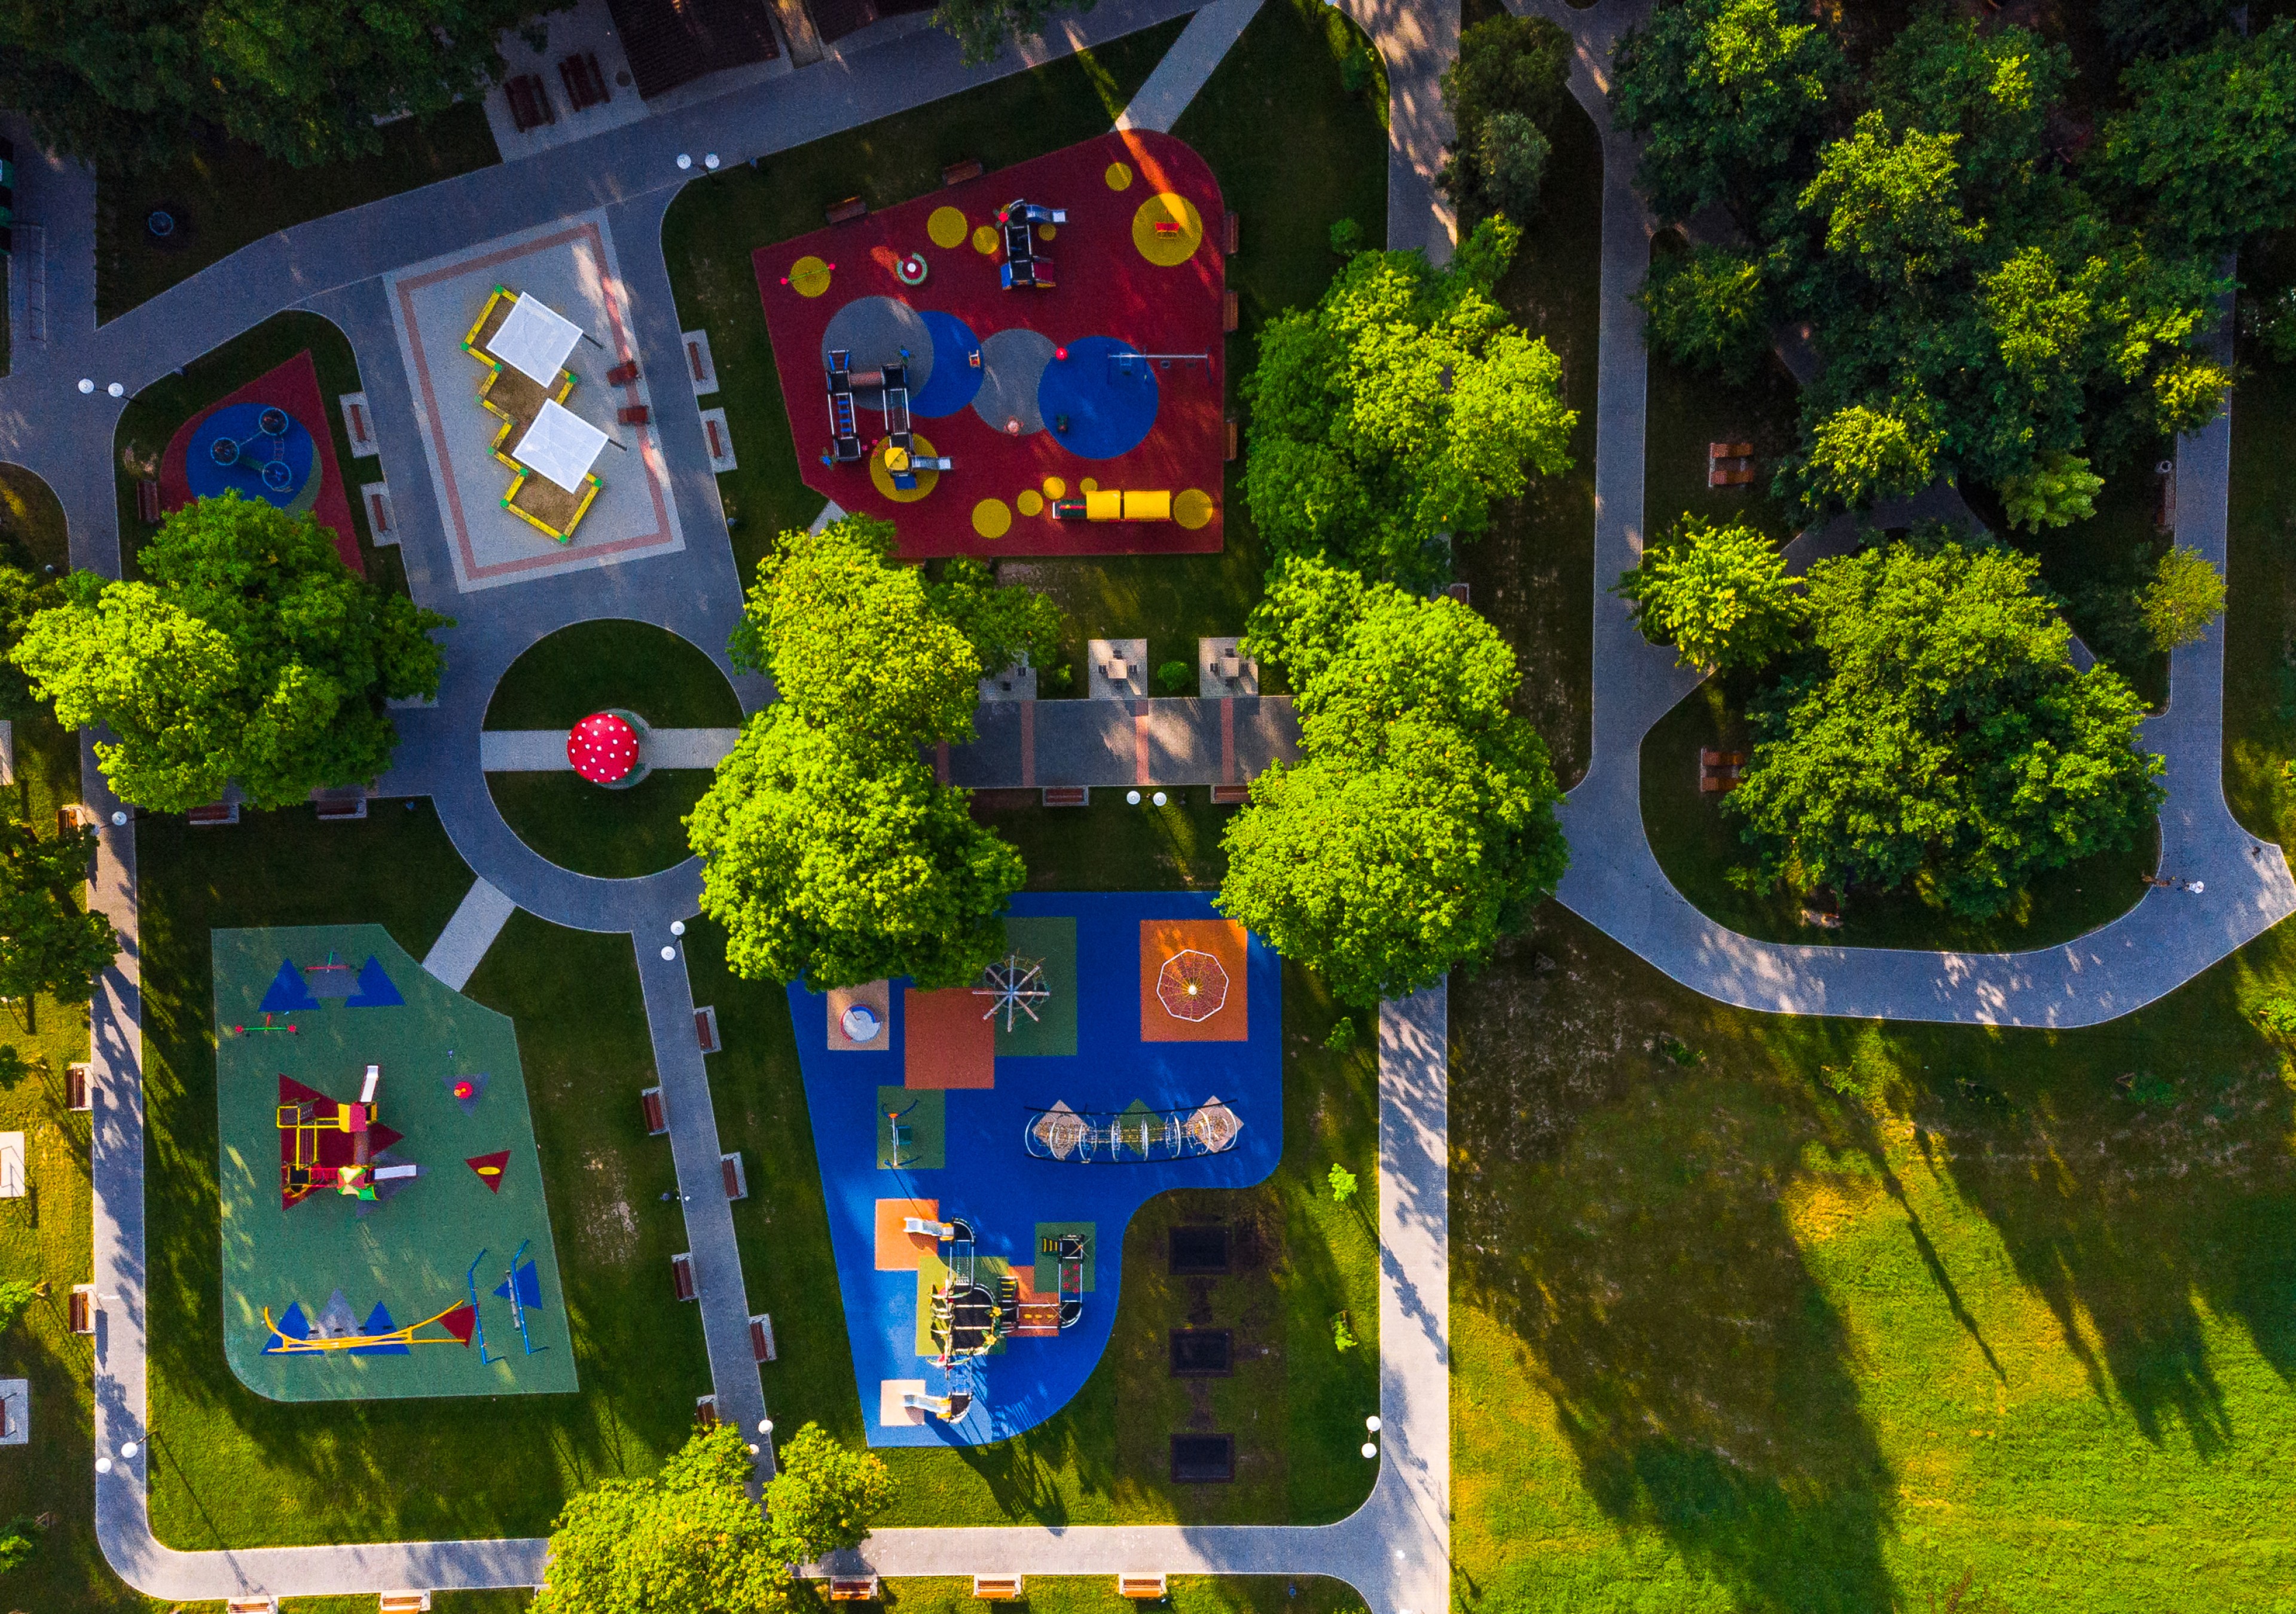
pixel 534 339
pixel 560 445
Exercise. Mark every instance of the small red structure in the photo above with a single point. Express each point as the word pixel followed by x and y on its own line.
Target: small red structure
pixel 602 748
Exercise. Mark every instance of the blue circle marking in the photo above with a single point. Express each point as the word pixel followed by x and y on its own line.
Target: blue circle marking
pixel 232 451
pixel 955 378
pixel 1106 392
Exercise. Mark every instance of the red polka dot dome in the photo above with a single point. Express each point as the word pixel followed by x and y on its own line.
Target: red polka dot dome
pixel 602 748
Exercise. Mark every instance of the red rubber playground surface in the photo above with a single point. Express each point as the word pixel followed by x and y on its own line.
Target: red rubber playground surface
pixel 1112 378
pixel 293 387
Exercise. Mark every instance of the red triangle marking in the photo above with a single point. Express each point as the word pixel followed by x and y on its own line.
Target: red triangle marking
pixel 490 1167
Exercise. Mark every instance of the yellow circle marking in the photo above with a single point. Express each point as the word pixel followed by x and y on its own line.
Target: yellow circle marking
pixel 1192 509
pixel 947 226
pixel 1055 488
pixel 992 517
pixel 1087 486
pixel 1167 229
pixel 1118 176
pixel 1031 503
pixel 808 276
pixel 1046 232
pixel 880 470
pixel 984 240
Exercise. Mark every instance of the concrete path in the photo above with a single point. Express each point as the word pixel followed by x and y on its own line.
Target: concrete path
pixel 1616 883
pixel 1417 39
pixel 543 750
pixel 1210 34
pixel 463 943
pixel 1396 1549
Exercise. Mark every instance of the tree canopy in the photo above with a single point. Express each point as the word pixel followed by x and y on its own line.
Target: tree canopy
pixel 49 942
pixel 1419 823
pixel 833 854
pixel 983 28
pixel 1510 81
pixel 823 1495
pixel 1005 624
pixel 1397 409
pixel 249 654
pixel 1719 595
pixel 1981 309
pixel 1936 731
pixel 130 83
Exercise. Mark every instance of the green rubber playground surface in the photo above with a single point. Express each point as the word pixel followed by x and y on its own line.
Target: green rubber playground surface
pixel 410 1252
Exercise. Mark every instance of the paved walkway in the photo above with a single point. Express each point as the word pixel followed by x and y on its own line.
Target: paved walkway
pixel 1396 1549
pixel 478 918
pixel 1165 93
pixel 1616 883
pixel 1180 740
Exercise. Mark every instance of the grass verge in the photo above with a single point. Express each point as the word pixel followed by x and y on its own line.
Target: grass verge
pixel 153 414
pixel 563 678
pixel 226 195
pixel 612 835
pixel 230 1468
pixel 1725 1339
pixel 2259 679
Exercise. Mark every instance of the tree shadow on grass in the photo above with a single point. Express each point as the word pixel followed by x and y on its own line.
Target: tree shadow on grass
pixel 1616 1205
pixel 2140 1178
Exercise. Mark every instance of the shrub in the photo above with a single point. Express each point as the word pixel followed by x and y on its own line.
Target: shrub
pixel 1343 1337
pixel 1174 676
pixel 1347 238
pixel 1343 1185
pixel 1343 1035
pixel 2275 1017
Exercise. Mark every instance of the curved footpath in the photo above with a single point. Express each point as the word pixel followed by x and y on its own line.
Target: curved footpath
pixel 1615 883
pixel 1395 1550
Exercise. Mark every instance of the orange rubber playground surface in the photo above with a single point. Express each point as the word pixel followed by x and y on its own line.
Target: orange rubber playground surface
pixel 1112 379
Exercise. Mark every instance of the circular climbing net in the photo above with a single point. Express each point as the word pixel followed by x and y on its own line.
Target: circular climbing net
pixel 1192 986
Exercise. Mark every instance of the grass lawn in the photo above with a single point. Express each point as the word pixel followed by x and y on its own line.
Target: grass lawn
pixel 1109 846
pixel 1533 574
pixel 612 835
pixel 562 679
pixel 1295 1406
pixel 1330 164
pixel 1096 1594
pixel 32 533
pixel 1698 844
pixel 234 1470
pixel 153 414
pixel 224 195
pixel 1724 1340
pixel 2259 692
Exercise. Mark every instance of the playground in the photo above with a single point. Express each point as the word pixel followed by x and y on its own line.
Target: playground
pixel 983 1148
pixel 384 1229
pixel 1027 363
pixel 267 440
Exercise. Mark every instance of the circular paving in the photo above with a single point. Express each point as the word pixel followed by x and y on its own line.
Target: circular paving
pixel 875 330
pixel 1012 366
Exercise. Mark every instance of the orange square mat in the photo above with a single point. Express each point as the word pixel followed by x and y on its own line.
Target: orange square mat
pixel 1207 955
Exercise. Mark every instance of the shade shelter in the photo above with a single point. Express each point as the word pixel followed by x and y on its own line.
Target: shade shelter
pixel 534 339
pixel 560 445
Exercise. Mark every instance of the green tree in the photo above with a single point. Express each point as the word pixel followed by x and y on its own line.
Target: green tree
pixel 1720 595
pixel 688 1539
pixel 2060 490
pixel 1707 309
pixel 823 1495
pixel 1398 409
pixel 22 597
pixel 1937 731
pixel 983 28
pixel 2160 27
pixel 1342 1183
pixel 1868 451
pixel 124 84
pixel 2211 138
pixel 1730 97
pixel 833 857
pixel 2186 593
pixel 16 1298
pixel 1006 625
pixel 49 942
pixel 249 654
pixel 1511 82
pixel 1419 822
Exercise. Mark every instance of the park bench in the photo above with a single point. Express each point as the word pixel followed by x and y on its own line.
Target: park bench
pixel 1067 795
pixel 705 1412
pixel 853 1588
pixel 845 212
pixel 633 414
pixel 957 173
pixel 251 1605
pixel 997 1588
pixel 1231 795
pixel 585 85
pixel 705 1029
pixel 147 500
pixel 1729 464
pixel 656 1121
pixel 74 815
pixel 75 1085
pixel 681 1274
pixel 1136 1587
pixel 79 1309
pixel 737 1184
pixel 530 102
pixel 1232 439
pixel 623 373
pixel 406 1603
pixel 1231 311
pixel 761 1337
pixel 339 806
pixel 1232 234
pixel 214 812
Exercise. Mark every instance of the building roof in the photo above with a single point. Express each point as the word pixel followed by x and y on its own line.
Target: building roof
pixel 674 42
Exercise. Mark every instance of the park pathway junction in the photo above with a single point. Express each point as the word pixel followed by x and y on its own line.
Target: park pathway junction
pixel 1395 1550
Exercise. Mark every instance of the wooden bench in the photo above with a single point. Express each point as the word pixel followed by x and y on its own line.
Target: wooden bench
pixel 845 212
pixel 530 102
pixel 855 1588
pixel 1231 311
pixel 705 1412
pixel 334 808
pixel 1709 757
pixel 622 374
pixel 761 1337
pixel 214 812
pixel 957 173
pixel 633 414
pixel 406 1603
pixel 147 500
pixel 705 1029
pixel 74 815
pixel 681 1274
pixel 1233 437
pixel 656 1121
pixel 1143 1588
pixel 1068 795
pixel 1232 234
pixel 77 1078
pixel 79 1309
pixel 1717 784
pixel 1231 795
pixel 251 1605
pixel 1460 592
pixel 997 1588
pixel 737 1184
pixel 1729 464
pixel 585 85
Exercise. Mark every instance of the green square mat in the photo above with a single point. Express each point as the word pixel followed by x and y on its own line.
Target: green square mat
pixel 1053 1031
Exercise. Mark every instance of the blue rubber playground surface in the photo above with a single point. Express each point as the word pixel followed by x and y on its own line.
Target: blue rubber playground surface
pixel 1042 1140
